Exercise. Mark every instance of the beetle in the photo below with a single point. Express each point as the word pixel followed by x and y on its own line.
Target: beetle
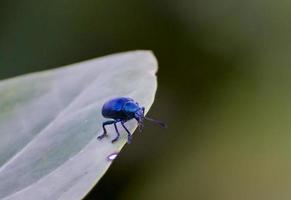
pixel 121 110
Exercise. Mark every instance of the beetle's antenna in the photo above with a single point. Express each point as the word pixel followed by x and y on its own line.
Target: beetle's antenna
pixel 162 124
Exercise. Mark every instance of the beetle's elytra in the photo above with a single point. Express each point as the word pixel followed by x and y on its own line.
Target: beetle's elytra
pixel 121 110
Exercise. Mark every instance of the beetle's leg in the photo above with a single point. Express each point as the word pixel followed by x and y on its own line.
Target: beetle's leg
pixel 140 125
pixel 129 137
pixel 117 132
pixel 104 134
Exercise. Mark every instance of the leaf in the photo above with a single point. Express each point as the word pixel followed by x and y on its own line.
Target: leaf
pixel 49 122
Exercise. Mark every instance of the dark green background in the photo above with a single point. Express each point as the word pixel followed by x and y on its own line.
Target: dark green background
pixel 224 88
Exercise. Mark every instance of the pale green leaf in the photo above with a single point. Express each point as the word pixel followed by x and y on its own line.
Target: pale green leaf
pixel 49 122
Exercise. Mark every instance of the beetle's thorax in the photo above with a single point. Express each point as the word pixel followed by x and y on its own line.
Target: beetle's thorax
pixel 131 109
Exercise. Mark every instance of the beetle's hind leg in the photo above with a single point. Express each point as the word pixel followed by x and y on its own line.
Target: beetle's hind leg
pixel 104 134
pixel 129 137
pixel 117 132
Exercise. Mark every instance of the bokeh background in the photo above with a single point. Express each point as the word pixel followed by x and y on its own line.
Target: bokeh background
pixel 224 88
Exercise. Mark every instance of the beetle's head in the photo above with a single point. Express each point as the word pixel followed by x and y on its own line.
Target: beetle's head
pixel 140 117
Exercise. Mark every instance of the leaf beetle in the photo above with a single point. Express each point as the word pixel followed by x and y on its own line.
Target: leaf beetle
pixel 121 110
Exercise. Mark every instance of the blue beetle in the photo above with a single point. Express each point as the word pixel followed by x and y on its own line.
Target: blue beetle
pixel 121 110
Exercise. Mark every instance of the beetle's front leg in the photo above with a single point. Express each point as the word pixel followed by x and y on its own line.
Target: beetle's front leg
pixel 129 137
pixel 140 125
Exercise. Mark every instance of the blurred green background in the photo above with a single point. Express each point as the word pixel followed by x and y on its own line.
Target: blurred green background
pixel 224 88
